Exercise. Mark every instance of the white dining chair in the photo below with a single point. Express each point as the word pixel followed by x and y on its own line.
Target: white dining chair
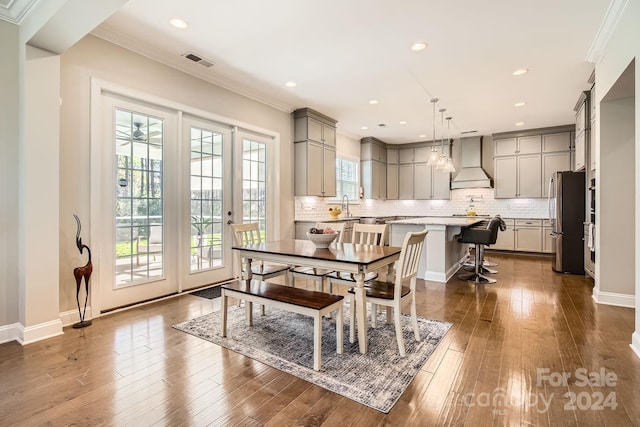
pixel 395 294
pixel 247 234
pixel 363 234
pixel 314 274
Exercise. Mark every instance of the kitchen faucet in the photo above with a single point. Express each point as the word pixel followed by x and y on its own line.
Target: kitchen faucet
pixel 345 205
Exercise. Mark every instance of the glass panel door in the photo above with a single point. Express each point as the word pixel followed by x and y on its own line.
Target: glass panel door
pixel 139 219
pixel 135 213
pixel 209 170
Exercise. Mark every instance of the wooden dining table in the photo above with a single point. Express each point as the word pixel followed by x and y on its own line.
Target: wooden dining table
pixel 345 257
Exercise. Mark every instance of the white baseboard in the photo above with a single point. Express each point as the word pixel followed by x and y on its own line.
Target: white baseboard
pixel 611 298
pixel 38 332
pixel 635 343
pixel 70 317
pixel 9 333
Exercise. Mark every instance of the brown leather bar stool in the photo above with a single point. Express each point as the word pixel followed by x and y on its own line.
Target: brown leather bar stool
pixel 480 237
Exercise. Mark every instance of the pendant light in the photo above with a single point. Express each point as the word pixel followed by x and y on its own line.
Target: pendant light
pixel 449 167
pixel 442 160
pixel 433 157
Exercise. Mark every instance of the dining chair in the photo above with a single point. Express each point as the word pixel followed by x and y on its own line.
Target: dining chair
pixel 363 234
pixel 247 234
pixel 394 295
pixel 318 274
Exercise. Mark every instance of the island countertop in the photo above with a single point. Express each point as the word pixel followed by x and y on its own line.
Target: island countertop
pixel 441 220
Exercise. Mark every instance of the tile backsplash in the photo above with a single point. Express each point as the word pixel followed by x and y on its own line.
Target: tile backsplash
pixel 481 199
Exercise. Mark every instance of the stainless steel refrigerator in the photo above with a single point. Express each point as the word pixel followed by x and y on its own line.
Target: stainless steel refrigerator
pixel 566 213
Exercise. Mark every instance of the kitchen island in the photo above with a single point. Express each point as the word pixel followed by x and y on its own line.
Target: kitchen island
pixel 442 253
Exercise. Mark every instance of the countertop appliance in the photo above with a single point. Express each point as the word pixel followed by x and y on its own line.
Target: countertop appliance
pixel 566 214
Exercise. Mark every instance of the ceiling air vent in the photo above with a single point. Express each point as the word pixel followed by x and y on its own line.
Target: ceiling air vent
pixel 198 59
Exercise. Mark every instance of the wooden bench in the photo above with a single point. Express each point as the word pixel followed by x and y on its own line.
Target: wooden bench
pixel 296 300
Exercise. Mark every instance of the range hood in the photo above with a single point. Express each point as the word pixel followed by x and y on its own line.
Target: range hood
pixel 471 174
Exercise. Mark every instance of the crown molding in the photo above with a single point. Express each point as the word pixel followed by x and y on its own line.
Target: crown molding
pixel 105 32
pixel 607 27
pixel 14 11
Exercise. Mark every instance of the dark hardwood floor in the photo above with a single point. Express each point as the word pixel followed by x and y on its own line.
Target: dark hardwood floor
pixel 500 364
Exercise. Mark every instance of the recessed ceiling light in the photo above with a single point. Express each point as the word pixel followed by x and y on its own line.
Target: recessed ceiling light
pixel 422 136
pixel 520 124
pixel 403 122
pixel 178 23
pixel 520 71
pixel 418 46
pixel 364 127
pixel 519 104
pixel 373 102
pixel 290 84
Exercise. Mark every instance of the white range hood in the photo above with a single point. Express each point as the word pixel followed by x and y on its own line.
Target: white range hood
pixel 471 174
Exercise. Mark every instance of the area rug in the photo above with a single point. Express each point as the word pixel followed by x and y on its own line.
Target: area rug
pixel 284 341
pixel 209 293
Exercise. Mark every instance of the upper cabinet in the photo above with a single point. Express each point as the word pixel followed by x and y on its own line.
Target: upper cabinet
pixel 524 161
pixel 583 126
pixel 373 168
pixel 315 153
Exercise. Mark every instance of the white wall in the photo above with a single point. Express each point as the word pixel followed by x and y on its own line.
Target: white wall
pixel 621 49
pixel 9 137
pixel 616 252
pixel 93 57
pixel 38 201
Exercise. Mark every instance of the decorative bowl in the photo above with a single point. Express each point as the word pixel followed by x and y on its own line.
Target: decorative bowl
pixel 322 241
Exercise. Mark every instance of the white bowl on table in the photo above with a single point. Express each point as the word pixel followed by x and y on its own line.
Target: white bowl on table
pixel 322 241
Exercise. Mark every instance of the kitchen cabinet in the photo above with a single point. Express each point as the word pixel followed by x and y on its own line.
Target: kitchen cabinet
pixel 556 142
pixel 309 125
pixel 392 182
pixel 314 154
pixel 518 145
pixel 518 176
pixel 524 161
pixel 551 163
pixel 505 240
pixel 547 240
pixel 592 129
pixel 373 168
pixel 392 156
pixel 405 182
pixel 422 182
pixel 528 235
pixel 583 123
pixel 405 155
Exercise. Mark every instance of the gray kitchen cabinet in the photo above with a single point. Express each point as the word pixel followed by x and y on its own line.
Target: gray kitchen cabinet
pixel 556 142
pixel 506 238
pixel 314 154
pixel 392 181
pixel 547 240
pixel 422 182
pixel 392 156
pixel 309 125
pixel 524 161
pixel 551 163
pixel 517 145
pixel 441 185
pixel 528 235
pixel 421 154
pixel 406 156
pixel 373 168
pixel 405 182
pixel 518 176
pixel 583 125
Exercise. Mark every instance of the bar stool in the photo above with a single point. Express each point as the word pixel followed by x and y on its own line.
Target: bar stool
pixel 481 237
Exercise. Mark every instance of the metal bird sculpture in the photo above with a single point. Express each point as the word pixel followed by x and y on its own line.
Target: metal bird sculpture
pixel 79 273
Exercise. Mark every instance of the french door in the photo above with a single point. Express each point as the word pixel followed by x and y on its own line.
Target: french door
pixel 165 200
pixel 206 202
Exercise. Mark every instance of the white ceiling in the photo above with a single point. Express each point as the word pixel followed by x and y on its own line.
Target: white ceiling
pixel 343 53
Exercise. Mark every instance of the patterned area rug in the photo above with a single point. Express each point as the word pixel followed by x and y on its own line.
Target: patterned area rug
pixel 209 293
pixel 284 341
